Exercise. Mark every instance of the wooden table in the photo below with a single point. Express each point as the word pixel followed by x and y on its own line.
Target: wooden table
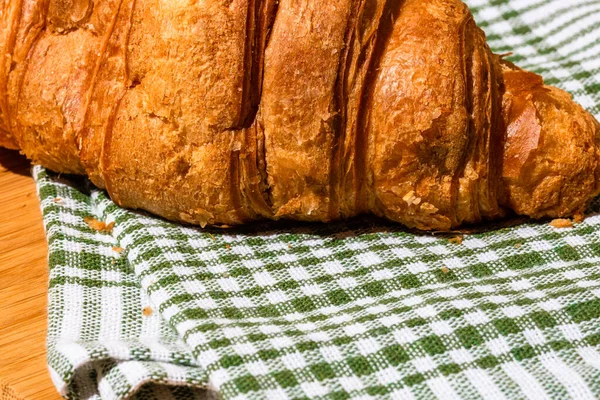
pixel 23 284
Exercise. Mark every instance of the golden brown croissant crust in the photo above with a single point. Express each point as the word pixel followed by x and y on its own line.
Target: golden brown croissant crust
pixel 228 111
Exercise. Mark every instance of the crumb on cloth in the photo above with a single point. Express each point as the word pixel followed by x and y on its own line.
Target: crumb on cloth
pixel 99 226
pixel 560 223
pixel 117 249
pixel 578 218
pixel 147 311
pixel 456 239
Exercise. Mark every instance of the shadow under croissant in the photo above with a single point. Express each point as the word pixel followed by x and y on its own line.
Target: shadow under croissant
pixel 361 226
pixel 15 162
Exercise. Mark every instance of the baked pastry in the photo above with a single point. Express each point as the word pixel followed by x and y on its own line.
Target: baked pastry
pixel 229 111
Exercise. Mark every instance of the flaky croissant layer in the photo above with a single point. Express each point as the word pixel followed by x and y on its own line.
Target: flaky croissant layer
pixel 229 111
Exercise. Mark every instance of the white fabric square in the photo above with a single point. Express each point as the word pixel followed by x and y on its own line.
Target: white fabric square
pixel 351 383
pixel 426 312
pixel 367 346
pixel 331 354
pixel 405 335
pixel 355 329
pixel 424 364
pixel 534 337
pixel 314 388
pixel 498 346
pixel 244 348
pixel 417 267
pixel 333 267
pixel 368 259
pixel 441 328
pixel 461 356
pixel 264 278
pixel 402 252
pixel 388 375
pixel 293 360
pixel 299 273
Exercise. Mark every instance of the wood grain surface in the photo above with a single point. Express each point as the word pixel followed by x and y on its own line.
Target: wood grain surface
pixel 23 284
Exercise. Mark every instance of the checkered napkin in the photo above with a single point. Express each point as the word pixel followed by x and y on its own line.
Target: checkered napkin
pixel 360 309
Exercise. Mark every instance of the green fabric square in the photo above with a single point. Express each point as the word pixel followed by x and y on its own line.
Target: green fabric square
pixel 307 346
pixel 395 354
pixel 267 311
pixel 432 345
pixel 233 313
pixel 257 337
pixel 360 366
pixel 247 383
pixel 559 345
pixel 268 354
pixel 445 275
pixel 342 340
pixel 469 336
pixel 376 391
pixel 593 340
pixel 543 319
pixel 285 378
pixel 523 261
pixel 414 379
pixel 231 361
pixel 487 362
pixel 448 369
pixel 304 304
pixel 414 322
pixel 584 311
pixel 338 297
pixel 339 395
pixel 506 326
pixel 480 270
pixel 524 352
pixel 322 371
pixel 567 253
pixel 374 289
pixel 409 281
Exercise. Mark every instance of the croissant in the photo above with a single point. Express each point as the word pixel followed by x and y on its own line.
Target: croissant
pixel 228 111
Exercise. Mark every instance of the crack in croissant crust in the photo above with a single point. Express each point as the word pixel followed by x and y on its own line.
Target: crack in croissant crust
pixel 228 111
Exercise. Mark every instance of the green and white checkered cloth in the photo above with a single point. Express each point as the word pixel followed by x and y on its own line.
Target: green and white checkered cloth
pixel 360 309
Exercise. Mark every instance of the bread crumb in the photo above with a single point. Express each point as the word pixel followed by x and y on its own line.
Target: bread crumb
pixel 147 311
pixel 228 247
pixel 109 227
pixel 517 245
pixel 289 246
pixel 118 249
pixel 560 223
pixel 99 226
pixel 456 239
pixel 212 236
pixel 58 200
pixel 578 218
pixel 445 270
pixel 95 224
